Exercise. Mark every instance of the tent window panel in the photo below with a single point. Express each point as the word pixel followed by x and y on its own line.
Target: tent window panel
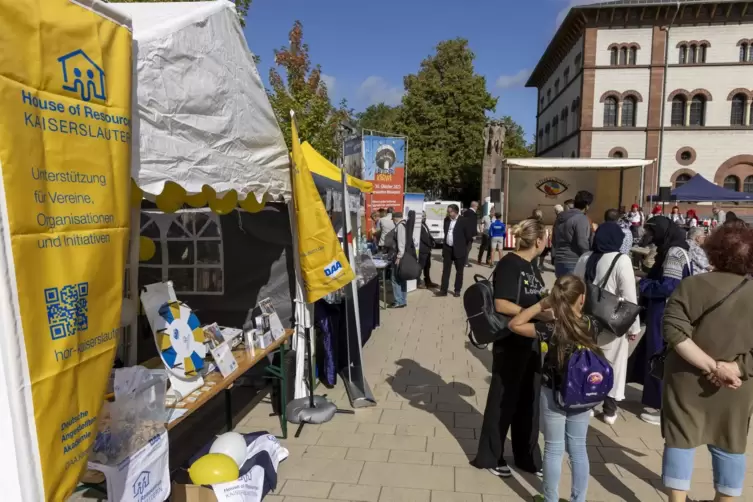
pixel 209 279
pixel 180 253
pixel 183 279
pixel 149 275
pixel 208 252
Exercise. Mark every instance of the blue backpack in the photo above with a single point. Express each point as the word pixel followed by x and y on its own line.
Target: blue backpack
pixel 586 381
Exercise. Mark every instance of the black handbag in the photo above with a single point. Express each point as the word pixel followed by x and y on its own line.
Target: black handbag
pixel 613 312
pixel 656 363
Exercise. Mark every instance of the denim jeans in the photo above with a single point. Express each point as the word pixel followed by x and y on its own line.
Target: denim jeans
pixel 728 468
pixel 564 431
pixel 399 288
pixel 561 269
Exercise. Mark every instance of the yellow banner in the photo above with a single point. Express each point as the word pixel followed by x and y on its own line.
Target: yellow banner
pixel 323 264
pixel 65 92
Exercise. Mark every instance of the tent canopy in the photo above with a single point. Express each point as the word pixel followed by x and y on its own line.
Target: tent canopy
pixel 201 116
pixel 321 167
pixel 559 163
pixel 699 189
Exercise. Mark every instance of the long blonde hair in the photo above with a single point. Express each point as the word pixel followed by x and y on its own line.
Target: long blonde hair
pixel 526 233
pixel 570 328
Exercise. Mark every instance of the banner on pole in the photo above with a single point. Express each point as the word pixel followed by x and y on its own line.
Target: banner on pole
pixel 384 165
pixel 65 143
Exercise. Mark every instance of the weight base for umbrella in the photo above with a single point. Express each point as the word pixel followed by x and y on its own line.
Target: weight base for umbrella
pixel 300 411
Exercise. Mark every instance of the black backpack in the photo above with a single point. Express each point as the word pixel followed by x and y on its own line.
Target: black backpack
pixel 485 324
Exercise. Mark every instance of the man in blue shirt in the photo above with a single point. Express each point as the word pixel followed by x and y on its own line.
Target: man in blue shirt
pixel 497 232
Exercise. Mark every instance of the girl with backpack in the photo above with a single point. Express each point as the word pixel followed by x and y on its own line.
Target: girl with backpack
pixel 575 378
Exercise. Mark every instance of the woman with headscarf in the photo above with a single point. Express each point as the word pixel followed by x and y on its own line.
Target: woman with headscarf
pixel 671 266
pixel 593 267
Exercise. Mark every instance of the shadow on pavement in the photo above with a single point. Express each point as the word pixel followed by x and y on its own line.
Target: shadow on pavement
pixel 432 394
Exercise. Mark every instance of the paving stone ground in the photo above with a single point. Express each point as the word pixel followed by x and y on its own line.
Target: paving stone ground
pixel 414 445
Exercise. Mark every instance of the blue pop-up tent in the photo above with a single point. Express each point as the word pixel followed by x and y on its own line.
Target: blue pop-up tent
pixel 699 189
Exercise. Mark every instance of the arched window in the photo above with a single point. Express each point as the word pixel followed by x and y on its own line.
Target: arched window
pixel 702 53
pixel 732 183
pixel 563 117
pixel 748 184
pixel 678 111
pixel 567 74
pixel 575 109
pixel 617 155
pixel 556 87
pixel 549 96
pixel 681 180
pixel 633 56
pixel 610 112
pixel 683 56
pixel 628 112
pixel 737 115
pixel 572 155
pixel 614 60
pixel 698 111
pixel 750 53
pixel 623 55
pixel 555 129
pixel 743 52
pixel 691 54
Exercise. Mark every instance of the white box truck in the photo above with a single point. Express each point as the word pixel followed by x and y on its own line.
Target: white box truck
pixel 436 211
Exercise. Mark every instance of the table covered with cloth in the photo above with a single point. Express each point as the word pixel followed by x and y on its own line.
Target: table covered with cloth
pixel 330 322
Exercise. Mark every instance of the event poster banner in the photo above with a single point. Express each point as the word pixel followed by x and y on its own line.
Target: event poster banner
pixel 384 165
pixel 65 134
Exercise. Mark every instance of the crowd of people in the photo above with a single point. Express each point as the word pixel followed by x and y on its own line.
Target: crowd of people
pixel 696 286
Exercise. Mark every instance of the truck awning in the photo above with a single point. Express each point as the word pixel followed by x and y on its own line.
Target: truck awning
pixel 559 163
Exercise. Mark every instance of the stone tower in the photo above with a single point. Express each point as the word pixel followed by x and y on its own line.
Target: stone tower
pixel 491 170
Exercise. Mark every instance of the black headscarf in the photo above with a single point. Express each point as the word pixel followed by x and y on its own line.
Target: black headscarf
pixel 666 234
pixel 608 239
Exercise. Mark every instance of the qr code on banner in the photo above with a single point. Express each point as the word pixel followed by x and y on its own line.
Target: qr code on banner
pixel 67 309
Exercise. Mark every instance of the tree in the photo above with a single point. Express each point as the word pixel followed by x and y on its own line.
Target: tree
pixel 444 115
pixel 515 139
pixel 380 117
pixel 240 5
pixel 304 92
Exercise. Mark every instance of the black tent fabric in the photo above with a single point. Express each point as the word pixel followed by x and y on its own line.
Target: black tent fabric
pixel 699 189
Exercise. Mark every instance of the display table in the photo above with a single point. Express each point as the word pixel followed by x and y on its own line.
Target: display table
pixel 219 384
pixel 331 324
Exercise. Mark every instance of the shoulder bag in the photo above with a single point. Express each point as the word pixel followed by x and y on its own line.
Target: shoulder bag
pixel 656 363
pixel 485 324
pixel 611 311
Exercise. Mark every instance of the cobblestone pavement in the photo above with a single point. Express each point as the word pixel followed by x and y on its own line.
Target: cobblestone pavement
pixel 414 445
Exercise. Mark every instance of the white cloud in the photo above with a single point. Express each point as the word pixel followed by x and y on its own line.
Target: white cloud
pixel 376 90
pixel 330 82
pixel 517 80
pixel 570 4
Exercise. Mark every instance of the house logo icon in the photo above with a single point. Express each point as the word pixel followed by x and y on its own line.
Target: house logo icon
pixel 82 76
pixel 141 484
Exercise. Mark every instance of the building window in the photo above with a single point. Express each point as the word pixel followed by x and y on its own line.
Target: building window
pixel 683 57
pixel 555 129
pixel 575 110
pixel 732 183
pixel 556 87
pixel 702 53
pixel 564 118
pixel 610 112
pixel 743 52
pixel 617 155
pixel 737 115
pixel 628 112
pixel 681 180
pixel 615 56
pixel 698 111
pixel 578 59
pixel 632 56
pixel 691 54
pixel 567 74
pixel 678 111
pixel 572 155
pixel 623 56
pixel 546 135
pixel 549 96
pixel 542 101
pixel 748 184
pixel 189 251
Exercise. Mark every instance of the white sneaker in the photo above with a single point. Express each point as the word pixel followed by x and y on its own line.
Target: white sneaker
pixel 610 419
pixel 651 418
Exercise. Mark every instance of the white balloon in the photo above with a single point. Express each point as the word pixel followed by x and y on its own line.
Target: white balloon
pixel 231 444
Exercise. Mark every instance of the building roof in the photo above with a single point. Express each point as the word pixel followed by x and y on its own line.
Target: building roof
pixel 576 20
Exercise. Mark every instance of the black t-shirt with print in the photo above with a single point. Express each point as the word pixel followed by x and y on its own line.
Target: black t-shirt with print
pixel 551 375
pixel 518 281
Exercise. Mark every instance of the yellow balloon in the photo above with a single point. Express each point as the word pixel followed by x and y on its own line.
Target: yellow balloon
pixel 136 194
pixel 147 248
pixel 213 468
pixel 226 204
pixel 250 204
pixel 197 200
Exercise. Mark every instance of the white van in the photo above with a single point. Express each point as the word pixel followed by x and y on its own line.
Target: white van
pixel 436 211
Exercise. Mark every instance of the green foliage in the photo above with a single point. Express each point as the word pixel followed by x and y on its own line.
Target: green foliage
pixel 240 5
pixel 444 115
pixel 380 117
pixel 515 139
pixel 304 92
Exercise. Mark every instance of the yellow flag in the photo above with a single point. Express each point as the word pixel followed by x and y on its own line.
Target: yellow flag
pixel 323 264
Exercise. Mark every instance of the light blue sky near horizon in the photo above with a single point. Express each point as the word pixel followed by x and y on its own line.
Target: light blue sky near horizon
pixel 365 48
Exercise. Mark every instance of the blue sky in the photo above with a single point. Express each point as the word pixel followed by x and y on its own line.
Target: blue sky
pixel 366 47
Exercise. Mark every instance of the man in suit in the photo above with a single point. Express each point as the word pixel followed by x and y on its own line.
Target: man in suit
pixel 454 250
pixel 470 222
